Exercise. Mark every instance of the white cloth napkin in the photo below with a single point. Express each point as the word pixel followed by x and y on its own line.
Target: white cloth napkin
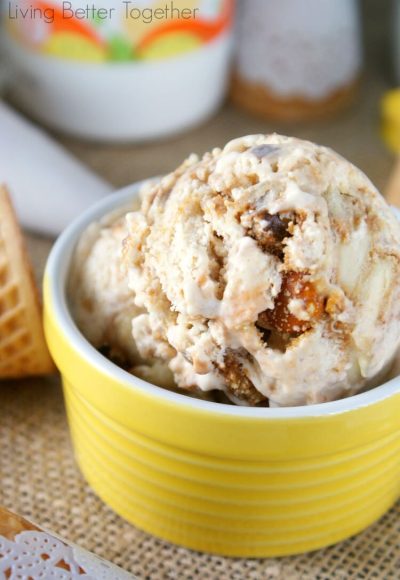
pixel 48 185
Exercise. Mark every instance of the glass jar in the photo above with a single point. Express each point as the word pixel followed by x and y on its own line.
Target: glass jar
pixel 297 60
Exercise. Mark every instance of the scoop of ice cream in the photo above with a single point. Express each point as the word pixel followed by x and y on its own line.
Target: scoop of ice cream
pixel 269 270
pixel 102 303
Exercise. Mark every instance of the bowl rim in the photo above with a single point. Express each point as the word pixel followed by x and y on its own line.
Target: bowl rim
pixel 56 274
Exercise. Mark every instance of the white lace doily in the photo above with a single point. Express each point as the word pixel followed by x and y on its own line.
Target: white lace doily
pixel 38 555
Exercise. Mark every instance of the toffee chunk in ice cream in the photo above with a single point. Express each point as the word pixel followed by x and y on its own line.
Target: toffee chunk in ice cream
pixel 268 270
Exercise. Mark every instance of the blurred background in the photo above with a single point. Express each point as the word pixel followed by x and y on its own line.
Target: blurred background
pixel 132 100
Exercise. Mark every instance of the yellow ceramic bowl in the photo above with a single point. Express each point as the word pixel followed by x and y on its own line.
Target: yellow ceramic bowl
pixel 229 480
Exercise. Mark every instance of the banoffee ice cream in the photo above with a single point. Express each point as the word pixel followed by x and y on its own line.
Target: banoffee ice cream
pixel 268 270
pixel 101 300
pixel 102 303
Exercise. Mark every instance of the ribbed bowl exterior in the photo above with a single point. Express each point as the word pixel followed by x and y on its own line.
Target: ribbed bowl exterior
pixel 227 484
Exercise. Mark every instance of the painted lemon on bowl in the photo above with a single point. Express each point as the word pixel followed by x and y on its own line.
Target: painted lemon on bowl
pixel 169 45
pixel 74 46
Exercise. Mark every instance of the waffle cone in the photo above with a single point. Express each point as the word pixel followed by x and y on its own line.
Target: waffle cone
pixel 23 350
pixel 11 524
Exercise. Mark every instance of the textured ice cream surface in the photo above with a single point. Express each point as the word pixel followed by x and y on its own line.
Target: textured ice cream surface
pixel 269 270
pixel 101 301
